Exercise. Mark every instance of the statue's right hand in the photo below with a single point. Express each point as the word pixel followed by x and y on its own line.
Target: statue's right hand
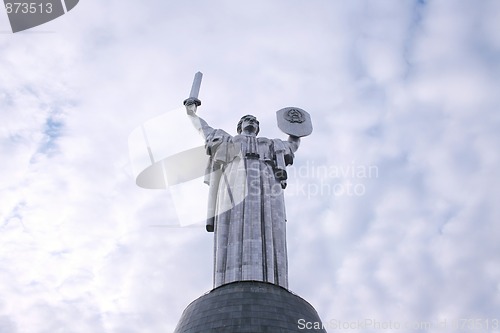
pixel 191 109
pixel 191 104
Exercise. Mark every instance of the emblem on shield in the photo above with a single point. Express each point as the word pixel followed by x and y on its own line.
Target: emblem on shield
pixel 294 121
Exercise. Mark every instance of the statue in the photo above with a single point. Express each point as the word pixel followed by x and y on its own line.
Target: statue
pixel 246 175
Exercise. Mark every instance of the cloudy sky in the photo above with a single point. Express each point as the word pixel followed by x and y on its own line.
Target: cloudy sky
pixel 393 202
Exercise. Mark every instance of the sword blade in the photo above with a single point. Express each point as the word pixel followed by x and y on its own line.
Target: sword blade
pixel 195 89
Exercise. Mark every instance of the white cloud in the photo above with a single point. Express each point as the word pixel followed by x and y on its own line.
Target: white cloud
pixel 408 88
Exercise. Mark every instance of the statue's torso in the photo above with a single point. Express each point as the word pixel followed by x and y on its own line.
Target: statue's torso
pixel 250 241
pixel 260 147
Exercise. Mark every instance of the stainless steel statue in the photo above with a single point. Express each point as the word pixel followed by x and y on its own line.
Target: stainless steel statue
pixel 246 210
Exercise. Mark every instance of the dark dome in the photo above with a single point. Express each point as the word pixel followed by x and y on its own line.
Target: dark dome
pixel 248 306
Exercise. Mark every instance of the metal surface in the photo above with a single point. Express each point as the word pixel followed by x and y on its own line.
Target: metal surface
pixel 195 90
pixel 294 121
pixel 249 306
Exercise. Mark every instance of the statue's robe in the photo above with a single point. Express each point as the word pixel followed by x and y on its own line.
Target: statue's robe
pixel 246 207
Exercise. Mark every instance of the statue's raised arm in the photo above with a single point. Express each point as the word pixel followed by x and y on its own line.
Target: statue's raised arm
pixel 199 123
pixel 294 142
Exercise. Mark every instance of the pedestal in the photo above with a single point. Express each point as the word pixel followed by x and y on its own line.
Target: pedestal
pixel 248 306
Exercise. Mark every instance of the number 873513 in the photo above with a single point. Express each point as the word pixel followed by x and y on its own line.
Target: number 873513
pixel 28 7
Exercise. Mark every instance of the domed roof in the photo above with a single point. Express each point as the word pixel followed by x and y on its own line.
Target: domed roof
pixel 248 306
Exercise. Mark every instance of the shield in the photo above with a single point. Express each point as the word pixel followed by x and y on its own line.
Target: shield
pixel 294 121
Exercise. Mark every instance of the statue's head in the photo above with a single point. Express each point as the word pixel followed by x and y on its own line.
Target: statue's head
pixel 249 123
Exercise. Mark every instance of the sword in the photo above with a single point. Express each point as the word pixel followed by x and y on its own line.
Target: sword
pixel 195 90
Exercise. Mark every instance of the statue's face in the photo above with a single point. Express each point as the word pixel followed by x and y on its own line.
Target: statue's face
pixel 250 124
